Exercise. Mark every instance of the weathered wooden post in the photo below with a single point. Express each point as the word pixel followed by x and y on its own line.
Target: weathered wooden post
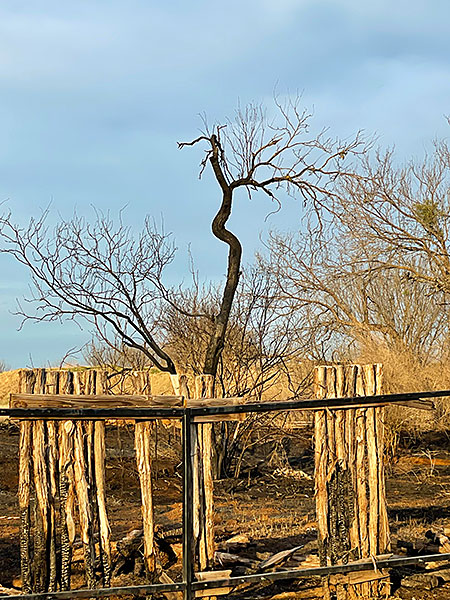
pixel 101 387
pixel 349 480
pixel 203 481
pixel 26 386
pixel 203 492
pixel 143 431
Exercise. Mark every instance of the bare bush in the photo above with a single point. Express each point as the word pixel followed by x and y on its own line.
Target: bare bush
pixel 115 355
pixel 259 339
pixel 342 310
pixel 398 218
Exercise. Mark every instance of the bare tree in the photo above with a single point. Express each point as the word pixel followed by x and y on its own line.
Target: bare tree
pixel 343 308
pixel 115 282
pixel 258 340
pixel 377 270
pixel 271 156
pixel 399 217
pixel 99 273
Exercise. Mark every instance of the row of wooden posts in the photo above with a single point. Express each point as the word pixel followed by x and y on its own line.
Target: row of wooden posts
pixel 62 465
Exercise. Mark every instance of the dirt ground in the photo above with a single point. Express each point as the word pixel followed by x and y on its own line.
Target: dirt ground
pixel 272 503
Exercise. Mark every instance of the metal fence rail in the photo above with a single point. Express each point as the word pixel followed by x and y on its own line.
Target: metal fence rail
pixel 188 415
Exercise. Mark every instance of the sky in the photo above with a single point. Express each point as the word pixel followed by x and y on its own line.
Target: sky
pixel 95 95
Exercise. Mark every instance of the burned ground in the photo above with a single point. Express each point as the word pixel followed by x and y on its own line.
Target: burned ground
pixel 270 507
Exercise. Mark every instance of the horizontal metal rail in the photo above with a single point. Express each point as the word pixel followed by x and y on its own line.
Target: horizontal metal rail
pixel 396 561
pixel 250 407
pixel 317 404
pixel 131 590
pixel 92 413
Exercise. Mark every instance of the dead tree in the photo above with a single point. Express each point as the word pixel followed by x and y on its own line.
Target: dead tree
pixel 344 299
pixel 398 217
pixel 276 158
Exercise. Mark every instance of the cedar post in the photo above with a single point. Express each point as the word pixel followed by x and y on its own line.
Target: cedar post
pixel 66 485
pixel 41 486
pixel 52 386
pixel 100 485
pixel 84 384
pixel 349 478
pixel 26 385
pixel 202 469
pixel 203 480
pixel 142 433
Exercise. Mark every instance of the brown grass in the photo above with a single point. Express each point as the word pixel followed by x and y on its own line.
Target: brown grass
pixel 9 384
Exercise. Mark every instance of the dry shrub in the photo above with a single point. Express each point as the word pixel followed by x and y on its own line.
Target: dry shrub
pixel 404 372
pixel 9 383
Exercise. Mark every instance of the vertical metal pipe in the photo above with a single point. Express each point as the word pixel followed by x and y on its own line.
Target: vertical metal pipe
pixel 188 515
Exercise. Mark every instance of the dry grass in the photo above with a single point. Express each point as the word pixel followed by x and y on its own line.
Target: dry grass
pixel 404 372
pixel 9 384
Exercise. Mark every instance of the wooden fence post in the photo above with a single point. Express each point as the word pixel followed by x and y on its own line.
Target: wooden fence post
pixel 26 386
pixel 203 492
pixel 349 478
pixel 203 474
pixel 142 432
pixel 100 485
pixel 66 431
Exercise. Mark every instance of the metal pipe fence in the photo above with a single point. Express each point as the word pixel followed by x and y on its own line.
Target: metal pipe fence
pixel 188 586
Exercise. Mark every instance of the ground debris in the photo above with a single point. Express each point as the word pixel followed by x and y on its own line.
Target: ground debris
pixel 4 591
pixel 427 581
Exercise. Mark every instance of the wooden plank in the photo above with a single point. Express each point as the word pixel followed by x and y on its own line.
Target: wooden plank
pixel 370 562
pixel 164 578
pixel 220 418
pixel 208 576
pixel 277 558
pixel 144 401
pixel 212 592
pixel 306 594
pixel 419 404
pixel 207 401
pixel 211 575
pixel 358 577
pixel 91 401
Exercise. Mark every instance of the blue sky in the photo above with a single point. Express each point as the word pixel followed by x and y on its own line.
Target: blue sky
pixel 95 94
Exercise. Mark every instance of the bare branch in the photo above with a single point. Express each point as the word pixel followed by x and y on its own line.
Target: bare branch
pixel 96 273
